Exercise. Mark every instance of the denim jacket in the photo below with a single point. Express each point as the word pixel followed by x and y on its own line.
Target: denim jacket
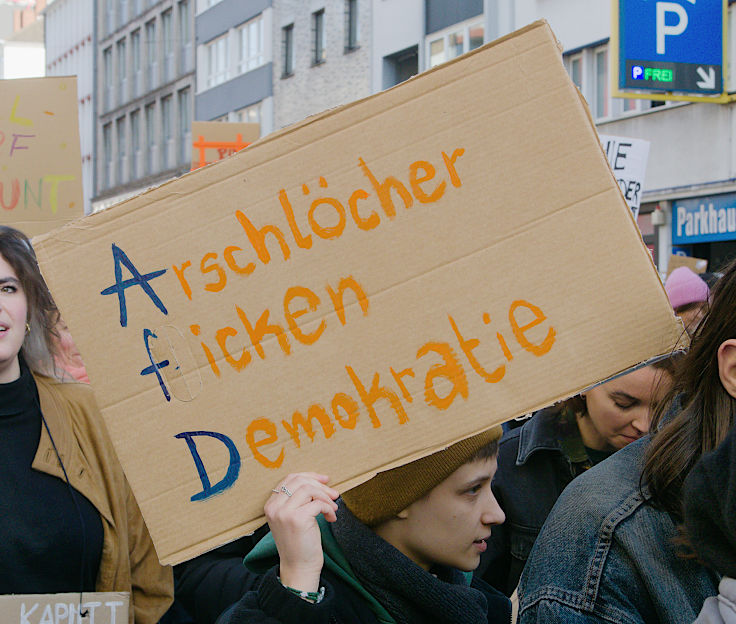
pixel 535 464
pixel 606 554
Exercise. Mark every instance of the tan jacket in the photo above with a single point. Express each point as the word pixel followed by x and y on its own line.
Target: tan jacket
pixel 128 562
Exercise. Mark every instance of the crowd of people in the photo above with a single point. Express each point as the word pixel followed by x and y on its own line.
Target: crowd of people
pixel 617 505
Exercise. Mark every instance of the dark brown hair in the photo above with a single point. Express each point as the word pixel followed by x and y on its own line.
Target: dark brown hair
pixel 697 412
pixel 39 346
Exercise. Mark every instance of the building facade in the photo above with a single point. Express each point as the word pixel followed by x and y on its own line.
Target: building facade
pixel 145 95
pixel 70 50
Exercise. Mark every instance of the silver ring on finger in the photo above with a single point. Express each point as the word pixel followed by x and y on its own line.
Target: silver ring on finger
pixel 286 491
pixel 276 491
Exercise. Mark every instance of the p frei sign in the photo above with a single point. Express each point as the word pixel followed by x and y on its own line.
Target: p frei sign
pixel 673 49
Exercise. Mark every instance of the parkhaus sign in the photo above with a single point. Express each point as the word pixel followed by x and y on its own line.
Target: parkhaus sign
pixel 704 219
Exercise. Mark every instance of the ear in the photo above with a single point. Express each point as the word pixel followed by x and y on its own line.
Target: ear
pixel 727 365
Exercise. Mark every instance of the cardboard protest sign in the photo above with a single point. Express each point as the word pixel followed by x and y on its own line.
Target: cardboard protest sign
pixel 696 265
pixel 215 140
pixel 101 607
pixel 628 160
pixel 358 290
pixel 41 163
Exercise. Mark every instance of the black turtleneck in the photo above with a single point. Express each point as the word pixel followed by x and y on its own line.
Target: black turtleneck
pixel 43 538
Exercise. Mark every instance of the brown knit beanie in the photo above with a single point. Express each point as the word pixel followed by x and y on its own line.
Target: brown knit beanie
pixel 389 492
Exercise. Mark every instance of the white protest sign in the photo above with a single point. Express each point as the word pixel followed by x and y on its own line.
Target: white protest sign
pixel 100 608
pixel 628 160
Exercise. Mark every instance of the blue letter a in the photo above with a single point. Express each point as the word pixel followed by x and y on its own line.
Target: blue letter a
pixel 233 468
pixel 137 280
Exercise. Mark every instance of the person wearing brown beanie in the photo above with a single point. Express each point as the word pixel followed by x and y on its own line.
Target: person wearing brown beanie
pixel 399 548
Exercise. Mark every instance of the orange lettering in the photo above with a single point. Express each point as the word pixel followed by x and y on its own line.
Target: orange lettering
pixel 312 303
pixel 467 346
pixel 305 242
pixel 266 426
pixel 257 238
pixel 450 164
pixel 337 297
pixel 377 392
pixel 398 378
pixel 327 232
pixel 221 336
pixel 196 330
pixel 183 280
pixel 261 329
pixel 228 255
pixel 364 224
pixel 539 316
pixel 297 420
pixel 438 192
pixel 347 403
pixel 383 190
pixel 451 370
pixel 222 277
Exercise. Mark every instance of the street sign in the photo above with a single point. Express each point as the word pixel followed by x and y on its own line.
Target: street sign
pixel 675 46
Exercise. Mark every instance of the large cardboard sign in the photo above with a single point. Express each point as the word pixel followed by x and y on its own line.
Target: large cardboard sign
pixel 215 140
pixel 100 608
pixel 40 159
pixel 358 291
pixel 628 159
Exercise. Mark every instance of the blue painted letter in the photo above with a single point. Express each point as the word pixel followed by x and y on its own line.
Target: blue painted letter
pixel 233 468
pixel 137 280
pixel 155 366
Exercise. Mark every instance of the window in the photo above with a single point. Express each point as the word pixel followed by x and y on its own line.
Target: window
pixel 135 62
pixel 287 50
pixel 109 17
pixel 122 71
pixel 217 61
pixel 602 104
pixel 120 132
pixel 107 68
pixel 150 138
pixel 122 12
pixel 185 126
pixel 351 25
pixel 168 44
pixel 575 69
pixel 318 37
pixel 135 144
pixel 151 55
pixel 107 149
pixel 250 42
pixel 185 38
pixel 249 114
pixel 167 137
pixel 451 44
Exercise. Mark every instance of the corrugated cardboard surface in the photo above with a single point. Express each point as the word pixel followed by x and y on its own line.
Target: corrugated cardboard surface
pixel 40 161
pixel 518 239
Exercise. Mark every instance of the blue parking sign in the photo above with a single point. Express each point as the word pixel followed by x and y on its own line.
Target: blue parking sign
pixel 671 46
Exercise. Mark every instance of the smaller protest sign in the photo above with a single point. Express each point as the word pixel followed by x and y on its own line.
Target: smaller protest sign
pixel 215 140
pixel 697 265
pixel 100 608
pixel 41 172
pixel 628 160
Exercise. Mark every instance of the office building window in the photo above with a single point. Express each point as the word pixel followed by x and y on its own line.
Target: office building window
pixel 249 114
pixel 351 24
pixel 167 33
pixel 575 69
pixel 185 37
pixel 602 104
pixel 250 45
pixel 107 153
pixel 136 74
pixel 109 17
pixel 167 135
pixel 122 71
pixel 135 144
pixel 151 55
pixel 150 138
pixel 185 126
pixel 287 50
pixel 107 69
pixel 318 37
pixel 454 42
pixel 122 12
pixel 217 61
pixel 121 147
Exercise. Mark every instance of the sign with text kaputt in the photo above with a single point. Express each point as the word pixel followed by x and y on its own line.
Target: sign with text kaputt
pixel 358 290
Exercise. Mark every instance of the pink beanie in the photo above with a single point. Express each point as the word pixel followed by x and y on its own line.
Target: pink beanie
pixel 683 286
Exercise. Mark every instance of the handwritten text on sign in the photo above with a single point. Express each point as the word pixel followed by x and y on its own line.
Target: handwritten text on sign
pixel 444 377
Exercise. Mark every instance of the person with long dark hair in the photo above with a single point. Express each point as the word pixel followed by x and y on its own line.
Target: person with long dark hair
pixel 609 550
pixel 69 522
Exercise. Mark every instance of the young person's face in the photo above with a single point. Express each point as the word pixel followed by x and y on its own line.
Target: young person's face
pixel 619 411
pixel 13 315
pixel 450 524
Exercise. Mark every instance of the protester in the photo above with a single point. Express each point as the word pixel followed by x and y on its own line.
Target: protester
pixel 710 517
pixel 538 460
pixel 688 296
pixel 393 549
pixel 69 520
pixel 607 552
